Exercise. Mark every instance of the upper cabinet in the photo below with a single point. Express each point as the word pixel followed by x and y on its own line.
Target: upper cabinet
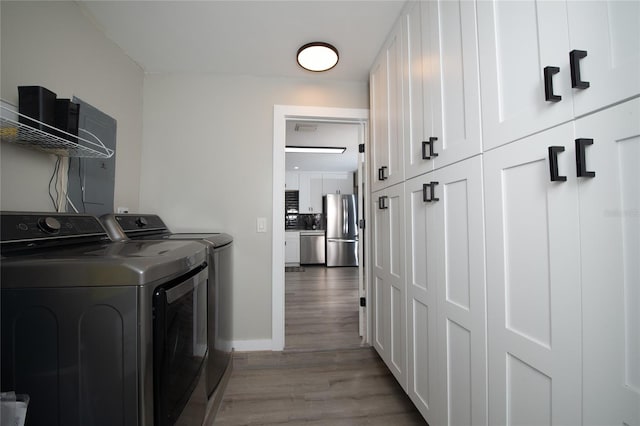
pixel 291 181
pixel 441 86
pixel 337 183
pixel 386 114
pixel 608 32
pixel 544 63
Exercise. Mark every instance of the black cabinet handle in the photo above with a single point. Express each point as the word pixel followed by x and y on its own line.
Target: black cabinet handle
pixel 553 163
pixel 381 174
pixel 382 202
pixel 581 160
pixel 549 72
pixel 574 59
pixel 431 153
pixel 428 192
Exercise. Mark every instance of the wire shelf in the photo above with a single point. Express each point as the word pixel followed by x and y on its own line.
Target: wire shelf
pixel 66 145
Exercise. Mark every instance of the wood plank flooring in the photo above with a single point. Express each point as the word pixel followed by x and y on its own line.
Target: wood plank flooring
pixel 321 309
pixel 324 376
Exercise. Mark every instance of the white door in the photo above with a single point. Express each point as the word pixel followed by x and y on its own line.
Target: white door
pixel 610 246
pixel 533 287
pixel 458 232
pixel 423 385
pixel 379 273
pixel 417 97
pixel 386 105
pixel 608 32
pixel 517 41
pixel 389 280
pixel 455 80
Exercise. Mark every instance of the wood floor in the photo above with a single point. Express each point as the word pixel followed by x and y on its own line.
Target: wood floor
pixel 325 376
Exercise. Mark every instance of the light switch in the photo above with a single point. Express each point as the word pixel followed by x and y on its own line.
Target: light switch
pixel 261 224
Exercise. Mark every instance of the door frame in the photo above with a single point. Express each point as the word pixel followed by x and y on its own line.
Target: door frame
pixel 282 114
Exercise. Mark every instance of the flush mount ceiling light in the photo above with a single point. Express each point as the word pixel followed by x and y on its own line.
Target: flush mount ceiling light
pixel 317 56
pixel 315 149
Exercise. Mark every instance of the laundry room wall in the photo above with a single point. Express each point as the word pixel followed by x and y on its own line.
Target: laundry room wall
pixel 53 44
pixel 207 165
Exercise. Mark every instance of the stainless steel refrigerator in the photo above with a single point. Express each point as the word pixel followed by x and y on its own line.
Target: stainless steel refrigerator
pixel 341 226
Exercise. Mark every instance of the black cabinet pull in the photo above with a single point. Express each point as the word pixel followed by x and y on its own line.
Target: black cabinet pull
pixel 549 72
pixel 574 59
pixel 428 192
pixel 381 175
pixel 431 154
pixel 382 202
pixel 581 158
pixel 553 163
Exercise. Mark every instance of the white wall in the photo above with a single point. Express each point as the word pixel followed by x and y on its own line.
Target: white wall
pixel 207 165
pixel 53 44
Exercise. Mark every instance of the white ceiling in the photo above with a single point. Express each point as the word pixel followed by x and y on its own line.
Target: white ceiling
pixel 245 37
pixel 325 134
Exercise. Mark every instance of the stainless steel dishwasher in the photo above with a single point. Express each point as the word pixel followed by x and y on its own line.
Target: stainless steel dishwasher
pixel 312 247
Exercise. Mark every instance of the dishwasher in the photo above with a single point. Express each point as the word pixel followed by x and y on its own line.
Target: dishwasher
pixel 312 247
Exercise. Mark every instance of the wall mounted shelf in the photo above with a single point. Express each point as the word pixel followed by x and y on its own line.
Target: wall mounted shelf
pixel 15 132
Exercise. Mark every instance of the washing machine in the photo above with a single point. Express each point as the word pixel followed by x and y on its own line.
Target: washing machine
pixel 99 332
pixel 146 227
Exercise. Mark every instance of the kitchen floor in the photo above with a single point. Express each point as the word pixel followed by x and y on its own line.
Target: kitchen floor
pixel 324 376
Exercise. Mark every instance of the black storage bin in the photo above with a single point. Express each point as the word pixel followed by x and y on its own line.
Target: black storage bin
pixel 39 103
pixel 67 116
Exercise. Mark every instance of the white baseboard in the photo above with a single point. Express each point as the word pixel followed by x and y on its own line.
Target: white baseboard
pixel 252 345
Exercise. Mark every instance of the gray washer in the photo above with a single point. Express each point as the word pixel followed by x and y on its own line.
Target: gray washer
pixel 121 227
pixel 77 320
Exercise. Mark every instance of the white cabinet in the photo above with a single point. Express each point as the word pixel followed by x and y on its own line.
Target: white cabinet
pixel 609 206
pixel 388 286
pixel 337 183
pixel 441 85
pixel 527 46
pixel 310 195
pixel 292 248
pixel 291 182
pixel 517 40
pixel 446 298
pixel 609 34
pixel 563 272
pixel 533 288
pixel 385 82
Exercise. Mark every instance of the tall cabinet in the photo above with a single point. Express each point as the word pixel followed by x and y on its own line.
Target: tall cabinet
pixel 521 189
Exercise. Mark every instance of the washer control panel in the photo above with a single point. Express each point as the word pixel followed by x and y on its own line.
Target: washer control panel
pixel 16 226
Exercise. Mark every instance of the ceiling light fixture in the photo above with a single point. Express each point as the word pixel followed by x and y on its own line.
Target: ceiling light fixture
pixel 317 56
pixel 315 149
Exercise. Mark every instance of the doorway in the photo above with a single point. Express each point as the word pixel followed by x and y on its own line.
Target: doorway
pixel 282 114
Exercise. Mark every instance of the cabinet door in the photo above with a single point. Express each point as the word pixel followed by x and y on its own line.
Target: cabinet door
pixel 292 248
pixel 533 287
pixel 609 31
pixel 610 247
pixel 386 103
pixel 389 280
pixel 458 233
pixel 455 85
pixel 517 40
pixel 423 385
pixel 310 195
pixel 417 99
pixel 337 183
pixel 291 182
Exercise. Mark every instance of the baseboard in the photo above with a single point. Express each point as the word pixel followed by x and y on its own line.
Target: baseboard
pixel 252 345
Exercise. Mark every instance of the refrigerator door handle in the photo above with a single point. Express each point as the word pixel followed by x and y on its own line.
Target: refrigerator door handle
pixel 345 216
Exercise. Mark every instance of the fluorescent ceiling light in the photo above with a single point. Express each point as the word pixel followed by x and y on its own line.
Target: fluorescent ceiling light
pixel 317 56
pixel 316 149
